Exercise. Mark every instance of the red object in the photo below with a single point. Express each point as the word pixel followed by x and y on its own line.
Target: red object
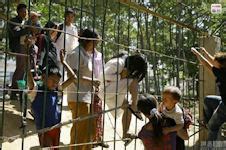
pixel 97 106
pixel 50 138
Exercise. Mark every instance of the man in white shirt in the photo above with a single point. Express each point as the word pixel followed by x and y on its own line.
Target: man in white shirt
pixel 122 76
pixel 68 42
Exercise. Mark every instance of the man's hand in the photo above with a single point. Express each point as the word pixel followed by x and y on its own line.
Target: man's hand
pixel 194 51
pixel 202 49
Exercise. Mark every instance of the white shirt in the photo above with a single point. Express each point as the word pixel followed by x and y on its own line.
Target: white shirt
pixel 113 86
pixel 71 42
pixel 176 114
pixel 85 68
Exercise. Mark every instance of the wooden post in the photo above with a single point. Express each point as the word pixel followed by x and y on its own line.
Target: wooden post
pixel 207 85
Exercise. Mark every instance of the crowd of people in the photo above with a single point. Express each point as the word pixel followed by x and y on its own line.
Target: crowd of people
pixel 90 81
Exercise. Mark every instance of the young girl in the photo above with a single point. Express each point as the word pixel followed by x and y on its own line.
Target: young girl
pixel 97 103
pixel 122 74
pixel 151 134
pixel 81 61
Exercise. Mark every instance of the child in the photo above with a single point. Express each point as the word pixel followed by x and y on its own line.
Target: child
pixel 34 21
pixel 123 72
pixel 44 104
pixel 214 106
pixel 98 120
pixel 151 133
pixel 170 108
pixel 83 61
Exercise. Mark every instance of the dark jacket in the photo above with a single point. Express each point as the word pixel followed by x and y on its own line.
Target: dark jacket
pixel 15 32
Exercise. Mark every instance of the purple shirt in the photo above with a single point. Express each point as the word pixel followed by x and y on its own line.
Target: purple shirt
pixel 168 141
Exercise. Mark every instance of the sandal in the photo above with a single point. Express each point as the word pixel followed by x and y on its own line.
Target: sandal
pixel 102 144
pixel 129 138
pixel 136 113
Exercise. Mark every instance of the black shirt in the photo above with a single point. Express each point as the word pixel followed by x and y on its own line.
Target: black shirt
pixel 50 53
pixel 221 81
pixel 15 32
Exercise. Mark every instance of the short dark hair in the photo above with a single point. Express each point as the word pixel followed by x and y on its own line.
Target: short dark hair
pixel 51 70
pixel 21 6
pixel 146 103
pixel 69 11
pixel 136 66
pixel 50 24
pixel 87 33
pixel 221 58
pixel 174 91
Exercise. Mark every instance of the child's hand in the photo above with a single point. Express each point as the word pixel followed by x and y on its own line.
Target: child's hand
pixel 62 55
pixel 165 130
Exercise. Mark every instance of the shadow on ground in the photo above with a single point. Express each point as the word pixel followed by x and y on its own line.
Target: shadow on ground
pixel 13 120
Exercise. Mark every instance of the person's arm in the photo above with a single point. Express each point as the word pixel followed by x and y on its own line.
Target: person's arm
pixel 32 86
pixel 209 57
pixel 72 75
pixel 160 108
pixel 202 59
pixel 30 79
pixel 133 89
pixel 16 30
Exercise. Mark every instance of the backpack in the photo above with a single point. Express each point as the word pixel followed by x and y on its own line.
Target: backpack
pixel 61 26
pixel 46 45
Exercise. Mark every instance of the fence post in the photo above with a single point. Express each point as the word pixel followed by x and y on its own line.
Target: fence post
pixel 207 85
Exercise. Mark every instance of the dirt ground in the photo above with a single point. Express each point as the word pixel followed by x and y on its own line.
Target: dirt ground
pixel 12 122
